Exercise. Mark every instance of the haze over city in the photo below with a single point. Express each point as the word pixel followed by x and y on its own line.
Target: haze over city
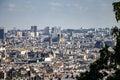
pixel 64 13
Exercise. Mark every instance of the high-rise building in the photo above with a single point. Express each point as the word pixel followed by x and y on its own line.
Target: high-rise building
pixel 2 34
pixel 34 29
pixel 50 42
pixel 56 30
pixel 62 38
pixel 59 37
pixel 47 30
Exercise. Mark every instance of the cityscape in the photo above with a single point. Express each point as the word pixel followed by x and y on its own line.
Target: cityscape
pixel 59 40
pixel 50 53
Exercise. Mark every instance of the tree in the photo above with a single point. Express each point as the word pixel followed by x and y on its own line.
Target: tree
pixel 116 9
pixel 107 67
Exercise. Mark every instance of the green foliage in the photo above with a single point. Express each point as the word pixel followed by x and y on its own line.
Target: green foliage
pixel 116 9
pixel 100 64
pixel 108 65
pixel 115 31
pixel 115 76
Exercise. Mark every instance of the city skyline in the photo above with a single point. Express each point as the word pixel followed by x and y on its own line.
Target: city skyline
pixel 67 14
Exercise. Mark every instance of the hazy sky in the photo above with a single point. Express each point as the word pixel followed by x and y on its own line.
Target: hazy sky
pixel 65 13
